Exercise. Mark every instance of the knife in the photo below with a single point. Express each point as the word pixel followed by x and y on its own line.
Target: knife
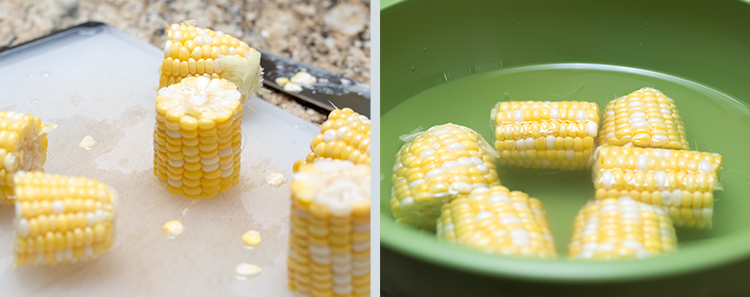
pixel 329 92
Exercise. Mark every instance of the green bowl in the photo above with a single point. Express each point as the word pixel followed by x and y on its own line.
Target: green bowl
pixel 450 61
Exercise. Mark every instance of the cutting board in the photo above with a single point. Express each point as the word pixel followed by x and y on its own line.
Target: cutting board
pixel 100 82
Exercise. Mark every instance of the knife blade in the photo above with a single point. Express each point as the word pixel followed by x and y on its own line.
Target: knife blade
pixel 329 92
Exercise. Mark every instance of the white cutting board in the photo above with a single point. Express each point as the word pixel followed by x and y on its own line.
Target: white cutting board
pixel 100 82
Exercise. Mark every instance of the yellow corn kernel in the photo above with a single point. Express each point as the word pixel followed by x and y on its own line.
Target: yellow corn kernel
pixel 330 229
pixel 187 52
pixel 681 179
pixel 72 220
pixel 621 228
pixel 644 118
pixel 497 221
pixel 545 134
pixel 198 112
pixel 435 166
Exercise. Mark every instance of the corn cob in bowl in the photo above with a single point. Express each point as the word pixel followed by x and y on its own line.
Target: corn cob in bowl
pixel 345 135
pixel 23 146
pixel 330 229
pixel 497 221
pixel 621 228
pixel 191 51
pixel 644 118
pixel 61 219
pixel 682 181
pixel 197 137
pixel 435 166
pixel 535 134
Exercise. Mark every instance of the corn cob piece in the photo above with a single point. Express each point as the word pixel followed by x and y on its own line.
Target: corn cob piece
pixel 435 166
pixel 61 219
pixel 558 135
pixel 191 51
pixel 644 118
pixel 682 181
pixel 197 137
pixel 497 221
pixel 23 146
pixel 330 229
pixel 621 228
pixel 345 135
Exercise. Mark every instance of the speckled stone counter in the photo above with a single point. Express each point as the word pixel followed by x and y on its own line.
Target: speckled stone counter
pixel 329 34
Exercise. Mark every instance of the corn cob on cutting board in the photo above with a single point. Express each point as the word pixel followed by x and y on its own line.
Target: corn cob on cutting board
pixel 97 81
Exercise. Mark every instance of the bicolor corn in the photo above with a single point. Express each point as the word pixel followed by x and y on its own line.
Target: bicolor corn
pixel 330 229
pixel 621 228
pixel 197 137
pixel 345 135
pixel 191 51
pixel 644 118
pixel 435 166
pixel 682 181
pixel 545 134
pixel 497 221
pixel 61 219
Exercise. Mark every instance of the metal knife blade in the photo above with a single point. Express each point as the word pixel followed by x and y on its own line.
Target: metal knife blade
pixel 330 90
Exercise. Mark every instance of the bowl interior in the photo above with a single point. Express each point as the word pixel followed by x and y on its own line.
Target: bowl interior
pixel 444 61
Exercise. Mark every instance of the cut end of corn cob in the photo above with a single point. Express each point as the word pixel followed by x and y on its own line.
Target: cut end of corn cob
pixel 547 134
pixel 681 181
pixel 497 221
pixel 197 138
pixel 621 228
pixel 330 237
pixel 191 51
pixel 345 135
pixel 644 118
pixel 434 167
pixel 61 219
pixel 23 146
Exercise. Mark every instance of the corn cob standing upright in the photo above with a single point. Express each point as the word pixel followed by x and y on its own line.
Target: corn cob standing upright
pixel 644 118
pixel 61 219
pixel 23 146
pixel 682 181
pixel 621 228
pixel 330 231
pixel 197 137
pixel 345 135
pixel 435 166
pixel 497 221
pixel 191 51
pixel 545 134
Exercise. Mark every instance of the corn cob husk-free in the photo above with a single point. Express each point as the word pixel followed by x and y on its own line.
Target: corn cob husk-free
pixel 435 166
pixel 23 146
pixel 61 219
pixel 621 228
pixel 345 135
pixel 497 221
pixel 192 51
pixel 558 135
pixel 330 229
pixel 197 137
pixel 682 181
pixel 644 118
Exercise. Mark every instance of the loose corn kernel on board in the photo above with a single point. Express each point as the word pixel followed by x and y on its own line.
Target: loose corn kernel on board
pixel 714 123
pixel 100 83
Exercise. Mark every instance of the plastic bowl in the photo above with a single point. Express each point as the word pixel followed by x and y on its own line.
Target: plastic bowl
pixel 450 61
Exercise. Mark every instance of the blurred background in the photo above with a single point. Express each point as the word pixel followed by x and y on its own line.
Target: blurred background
pixel 330 34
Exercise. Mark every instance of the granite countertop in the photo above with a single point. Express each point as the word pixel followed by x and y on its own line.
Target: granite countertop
pixel 328 34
